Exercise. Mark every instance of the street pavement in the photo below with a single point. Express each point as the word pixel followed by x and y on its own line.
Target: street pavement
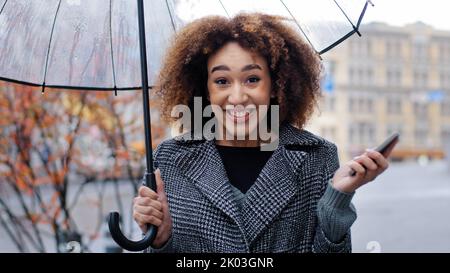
pixel 406 209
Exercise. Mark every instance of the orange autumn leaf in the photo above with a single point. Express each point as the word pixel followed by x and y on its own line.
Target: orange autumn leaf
pixel 43 181
pixel 59 176
pixel 57 213
pixel 101 95
pixel 21 167
pixel 28 126
pixel 54 199
pixel 35 218
pixel 122 154
pixel 48 121
pixel 22 185
pixel 69 138
pixel 138 146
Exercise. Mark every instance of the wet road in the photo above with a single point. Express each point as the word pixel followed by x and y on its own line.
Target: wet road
pixel 407 209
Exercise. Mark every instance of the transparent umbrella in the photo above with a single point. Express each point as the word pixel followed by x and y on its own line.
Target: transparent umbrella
pixel 104 44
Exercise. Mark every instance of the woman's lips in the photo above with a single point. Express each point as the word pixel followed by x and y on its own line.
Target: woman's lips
pixel 238 116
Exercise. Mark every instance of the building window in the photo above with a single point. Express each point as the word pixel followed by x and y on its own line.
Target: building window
pixel 329 103
pixel 370 107
pixel 420 110
pixel 420 136
pixel 393 48
pixel 444 78
pixel 445 137
pixel 352 134
pixel 444 51
pixel 361 75
pixel 420 79
pixel 361 103
pixel 393 77
pixel 370 77
pixel 420 51
pixel 445 108
pixel 351 75
pixel 394 105
pixel 362 133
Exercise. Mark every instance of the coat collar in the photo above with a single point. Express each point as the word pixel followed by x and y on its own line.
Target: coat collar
pixel 278 182
pixel 289 136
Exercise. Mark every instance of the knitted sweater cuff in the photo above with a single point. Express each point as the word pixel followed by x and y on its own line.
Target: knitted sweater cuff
pixel 335 213
pixel 335 198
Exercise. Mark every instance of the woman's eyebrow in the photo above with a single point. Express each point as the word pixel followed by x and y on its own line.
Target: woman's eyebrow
pixel 250 67
pixel 220 67
pixel 245 68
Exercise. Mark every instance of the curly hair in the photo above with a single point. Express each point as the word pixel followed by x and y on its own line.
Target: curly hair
pixel 294 66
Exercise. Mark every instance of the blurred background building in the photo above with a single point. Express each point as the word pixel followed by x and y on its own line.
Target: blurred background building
pixel 391 79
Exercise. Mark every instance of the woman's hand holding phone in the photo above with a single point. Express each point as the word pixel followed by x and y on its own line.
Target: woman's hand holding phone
pixel 365 167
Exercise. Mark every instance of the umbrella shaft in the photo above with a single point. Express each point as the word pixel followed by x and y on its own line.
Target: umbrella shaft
pixel 145 96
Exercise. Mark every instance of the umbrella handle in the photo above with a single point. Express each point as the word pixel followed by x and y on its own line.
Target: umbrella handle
pixel 124 242
pixel 117 234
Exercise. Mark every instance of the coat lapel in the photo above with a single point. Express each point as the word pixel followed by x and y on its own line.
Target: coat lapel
pixel 279 181
pixel 202 164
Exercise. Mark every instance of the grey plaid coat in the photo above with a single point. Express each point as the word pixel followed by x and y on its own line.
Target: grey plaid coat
pixel 279 213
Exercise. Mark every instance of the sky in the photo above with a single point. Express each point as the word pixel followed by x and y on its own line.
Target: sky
pixel 400 12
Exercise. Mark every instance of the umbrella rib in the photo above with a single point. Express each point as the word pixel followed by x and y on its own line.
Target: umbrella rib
pixel 171 17
pixel 111 44
pixel 4 4
pixel 350 21
pixel 296 22
pixel 20 82
pixel 74 87
pixel 363 12
pixel 337 42
pixel 49 45
pixel 224 8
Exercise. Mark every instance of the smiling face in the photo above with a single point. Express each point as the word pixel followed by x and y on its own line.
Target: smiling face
pixel 238 79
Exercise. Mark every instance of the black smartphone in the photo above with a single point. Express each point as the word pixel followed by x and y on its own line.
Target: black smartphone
pixel 389 142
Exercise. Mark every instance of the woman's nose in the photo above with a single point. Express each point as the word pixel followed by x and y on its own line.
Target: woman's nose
pixel 238 95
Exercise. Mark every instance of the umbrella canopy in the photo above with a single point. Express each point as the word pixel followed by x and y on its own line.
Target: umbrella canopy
pixel 84 44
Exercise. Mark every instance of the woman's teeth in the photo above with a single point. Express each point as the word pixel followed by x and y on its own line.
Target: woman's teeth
pixel 238 114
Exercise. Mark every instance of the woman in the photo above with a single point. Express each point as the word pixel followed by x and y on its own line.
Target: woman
pixel 228 195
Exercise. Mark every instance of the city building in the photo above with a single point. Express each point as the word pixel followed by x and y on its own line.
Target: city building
pixel 392 79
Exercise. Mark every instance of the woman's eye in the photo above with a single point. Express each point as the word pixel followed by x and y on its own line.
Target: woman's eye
pixel 253 79
pixel 221 81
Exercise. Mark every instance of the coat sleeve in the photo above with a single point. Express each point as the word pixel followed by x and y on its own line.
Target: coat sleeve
pixel 335 213
pixel 166 248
